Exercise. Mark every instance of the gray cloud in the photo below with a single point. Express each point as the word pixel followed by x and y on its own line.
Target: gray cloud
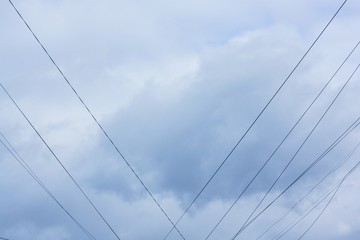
pixel 175 85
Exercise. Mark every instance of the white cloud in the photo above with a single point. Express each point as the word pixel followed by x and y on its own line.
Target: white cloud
pixel 175 84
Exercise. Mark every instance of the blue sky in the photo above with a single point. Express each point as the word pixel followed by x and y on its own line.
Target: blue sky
pixel 175 84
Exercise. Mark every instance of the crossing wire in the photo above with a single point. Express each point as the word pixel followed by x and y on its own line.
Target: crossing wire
pixel 281 143
pixel 23 163
pixel 350 129
pixel 307 212
pixel 97 123
pixel 256 119
pixel 326 206
pixel 310 191
pixel 332 197
pixel 299 149
pixel 317 202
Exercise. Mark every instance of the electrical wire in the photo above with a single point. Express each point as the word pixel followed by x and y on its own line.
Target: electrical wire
pixel 58 160
pixel 97 123
pixel 256 119
pixel 307 212
pixel 309 192
pixel 312 189
pixel 350 129
pixel 327 204
pixel 321 199
pixel 281 143
pixel 174 226
pixel 22 162
pixel 332 197
pixel 298 150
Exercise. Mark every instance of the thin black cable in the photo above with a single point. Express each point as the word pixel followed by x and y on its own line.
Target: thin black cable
pixel 337 141
pixel 315 205
pixel 306 212
pixel 98 124
pixel 22 162
pixel 350 129
pixel 323 210
pixel 258 116
pixel 309 192
pixel 37 179
pixel 332 197
pixel 281 143
pixel 58 160
pixel 298 150
pixel 286 229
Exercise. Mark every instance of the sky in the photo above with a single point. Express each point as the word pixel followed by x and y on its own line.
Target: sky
pixel 176 84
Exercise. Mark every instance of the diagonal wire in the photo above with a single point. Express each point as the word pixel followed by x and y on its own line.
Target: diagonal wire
pixel 317 202
pixel 258 116
pixel 97 123
pixel 332 197
pixel 281 143
pixel 58 160
pixel 298 150
pixel 323 210
pixel 309 192
pixel 350 129
pixel 327 204
pixel 296 153
pixel 334 144
pixel 22 162
pixel 308 211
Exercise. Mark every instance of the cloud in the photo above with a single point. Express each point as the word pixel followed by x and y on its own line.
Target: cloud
pixel 175 85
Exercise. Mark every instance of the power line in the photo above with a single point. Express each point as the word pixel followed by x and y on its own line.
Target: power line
pixel 298 150
pixel 327 204
pixel 321 199
pixel 256 119
pixel 22 162
pixel 58 160
pixel 301 146
pixel 97 123
pixel 350 129
pixel 332 197
pixel 310 191
pixel 281 143
pixel 307 212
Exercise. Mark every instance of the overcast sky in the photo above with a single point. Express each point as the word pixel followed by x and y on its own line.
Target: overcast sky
pixel 176 84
